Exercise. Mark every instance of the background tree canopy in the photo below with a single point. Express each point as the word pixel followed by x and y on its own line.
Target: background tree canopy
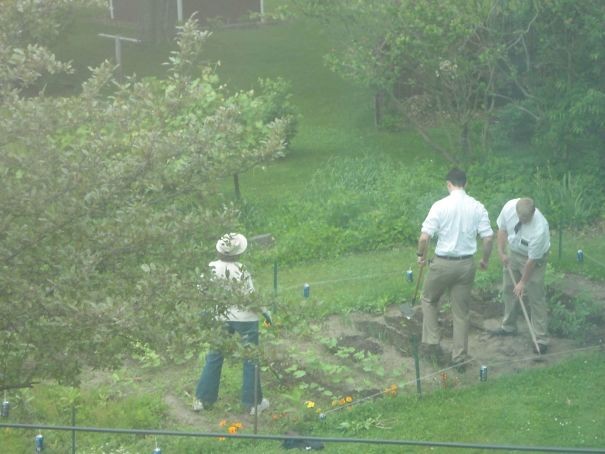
pixel 526 72
pixel 108 196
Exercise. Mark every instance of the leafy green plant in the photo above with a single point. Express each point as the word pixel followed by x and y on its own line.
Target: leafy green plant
pixel 573 317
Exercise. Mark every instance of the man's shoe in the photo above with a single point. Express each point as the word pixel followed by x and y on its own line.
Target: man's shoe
pixel 262 406
pixel 198 405
pixel 502 332
pixel 542 348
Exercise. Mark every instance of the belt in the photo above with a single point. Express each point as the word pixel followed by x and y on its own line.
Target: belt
pixel 449 257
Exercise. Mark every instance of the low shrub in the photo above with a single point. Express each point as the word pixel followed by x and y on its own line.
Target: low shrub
pixel 352 205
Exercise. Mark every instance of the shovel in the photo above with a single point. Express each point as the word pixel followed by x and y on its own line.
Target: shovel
pixel 531 329
pixel 406 308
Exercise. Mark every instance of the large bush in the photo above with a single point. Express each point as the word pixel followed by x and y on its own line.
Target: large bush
pixel 351 205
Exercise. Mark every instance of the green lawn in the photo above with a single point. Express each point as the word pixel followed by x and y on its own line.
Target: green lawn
pixel 556 406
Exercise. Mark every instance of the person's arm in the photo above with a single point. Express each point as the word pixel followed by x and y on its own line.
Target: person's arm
pixel 502 240
pixel 423 246
pixel 488 243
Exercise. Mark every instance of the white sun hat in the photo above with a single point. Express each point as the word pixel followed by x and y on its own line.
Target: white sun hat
pixel 232 244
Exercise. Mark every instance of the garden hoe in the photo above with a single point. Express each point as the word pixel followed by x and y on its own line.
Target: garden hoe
pixel 531 329
pixel 407 308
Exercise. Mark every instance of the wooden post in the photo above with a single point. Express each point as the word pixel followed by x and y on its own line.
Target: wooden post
pixel 238 194
pixel 416 364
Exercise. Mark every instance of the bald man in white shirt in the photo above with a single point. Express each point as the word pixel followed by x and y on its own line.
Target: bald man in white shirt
pixel 523 245
pixel 456 220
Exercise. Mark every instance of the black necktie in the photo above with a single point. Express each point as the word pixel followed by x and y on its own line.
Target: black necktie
pixel 518 227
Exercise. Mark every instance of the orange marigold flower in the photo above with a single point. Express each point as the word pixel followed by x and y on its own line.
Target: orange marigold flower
pixel 232 429
pixel 342 401
pixel 238 425
pixel 348 399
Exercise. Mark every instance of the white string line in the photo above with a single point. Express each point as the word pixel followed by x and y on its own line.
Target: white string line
pixel 368 276
pixel 331 281
pixel 439 372
pixel 593 260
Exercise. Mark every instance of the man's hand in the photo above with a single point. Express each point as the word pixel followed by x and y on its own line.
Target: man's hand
pixel 519 289
pixel 505 260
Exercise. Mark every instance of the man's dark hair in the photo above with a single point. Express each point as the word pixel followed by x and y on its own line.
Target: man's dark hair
pixel 457 177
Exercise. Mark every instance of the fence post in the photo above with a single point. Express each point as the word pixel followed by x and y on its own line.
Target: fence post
pixel 416 364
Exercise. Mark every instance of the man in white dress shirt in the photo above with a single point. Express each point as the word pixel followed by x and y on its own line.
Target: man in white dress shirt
pixel 525 230
pixel 456 220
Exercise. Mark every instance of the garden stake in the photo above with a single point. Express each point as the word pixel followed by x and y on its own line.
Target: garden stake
pixel 406 308
pixel 416 364
pixel 6 406
pixel 73 432
pixel 531 329
pixel 256 398
pixel 275 278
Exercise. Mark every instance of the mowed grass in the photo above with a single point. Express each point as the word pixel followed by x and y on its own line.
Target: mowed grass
pixel 558 406
pixel 336 115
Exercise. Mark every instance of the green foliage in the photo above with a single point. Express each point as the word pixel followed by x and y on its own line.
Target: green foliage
pixel 573 317
pixel 277 103
pixel 351 205
pixel 572 200
pixel 109 202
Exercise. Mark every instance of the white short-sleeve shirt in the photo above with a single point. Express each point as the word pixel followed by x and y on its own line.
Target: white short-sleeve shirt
pixel 235 271
pixel 532 239
pixel 457 220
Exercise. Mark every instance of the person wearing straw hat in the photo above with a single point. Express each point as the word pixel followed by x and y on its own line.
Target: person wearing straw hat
pixel 238 320
pixel 524 229
pixel 456 220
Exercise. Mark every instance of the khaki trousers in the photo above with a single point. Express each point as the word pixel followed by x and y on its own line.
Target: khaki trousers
pixel 534 297
pixel 457 277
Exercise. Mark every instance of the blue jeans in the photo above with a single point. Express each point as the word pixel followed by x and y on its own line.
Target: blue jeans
pixel 208 385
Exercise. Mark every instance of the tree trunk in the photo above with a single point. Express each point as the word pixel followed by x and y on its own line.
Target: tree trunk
pixel 378 103
pixel 238 195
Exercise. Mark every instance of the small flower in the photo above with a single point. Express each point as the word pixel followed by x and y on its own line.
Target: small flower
pixel 348 399
pixel 232 429
pixel 222 423
pixel 391 390
pixel 238 425
pixel 221 438
pixel 342 401
pixel 310 404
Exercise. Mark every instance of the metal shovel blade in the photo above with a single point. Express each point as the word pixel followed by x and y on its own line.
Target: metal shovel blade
pixel 406 310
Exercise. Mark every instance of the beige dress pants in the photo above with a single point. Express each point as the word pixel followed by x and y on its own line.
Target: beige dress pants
pixel 457 277
pixel 534 297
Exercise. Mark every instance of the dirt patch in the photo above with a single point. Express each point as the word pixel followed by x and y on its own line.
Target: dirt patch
pixel 362 355
pixel 368 352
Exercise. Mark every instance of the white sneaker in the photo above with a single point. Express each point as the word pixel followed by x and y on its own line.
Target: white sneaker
pixel 198 405
pixel 264 404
